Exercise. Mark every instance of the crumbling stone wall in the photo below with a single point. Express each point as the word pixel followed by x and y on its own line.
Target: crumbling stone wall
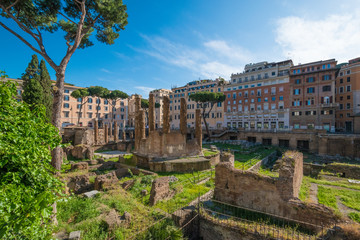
pixel 342 169
pixel 278 196
pixel 160 190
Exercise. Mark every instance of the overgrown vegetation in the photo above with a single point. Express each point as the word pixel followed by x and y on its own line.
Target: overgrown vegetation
pixel 28 187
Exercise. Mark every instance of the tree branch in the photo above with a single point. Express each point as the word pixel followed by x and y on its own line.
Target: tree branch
pixel 11 5
pixel 67 18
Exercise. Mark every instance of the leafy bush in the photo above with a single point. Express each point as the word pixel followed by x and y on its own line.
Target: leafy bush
pixel 28 187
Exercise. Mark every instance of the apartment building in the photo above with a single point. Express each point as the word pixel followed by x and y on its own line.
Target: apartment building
pixel 71 108
pixel 312 95
pixel 257 98
pixel 159 94
pixel 348 95
pixel 215 119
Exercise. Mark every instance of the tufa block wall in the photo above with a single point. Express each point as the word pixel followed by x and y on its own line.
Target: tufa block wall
pixel 277 196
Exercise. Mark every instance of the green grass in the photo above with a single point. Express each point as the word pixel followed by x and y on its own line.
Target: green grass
pixel 304 190
pixel 75 209
pixel 342 183
pixel 267 172
pixel 327 196
pixel 355 216
pixel 208 153
pixel 189 193
pixel 224 146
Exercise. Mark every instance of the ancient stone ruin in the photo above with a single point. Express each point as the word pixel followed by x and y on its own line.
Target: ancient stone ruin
pixel 276 196
pixel 167 150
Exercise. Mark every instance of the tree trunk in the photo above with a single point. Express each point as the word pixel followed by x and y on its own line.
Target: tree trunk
pixel 58 100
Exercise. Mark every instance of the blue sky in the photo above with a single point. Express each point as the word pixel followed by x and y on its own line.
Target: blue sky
pixel 169 43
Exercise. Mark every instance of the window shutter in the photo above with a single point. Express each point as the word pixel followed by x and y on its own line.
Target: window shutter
pixel 331 99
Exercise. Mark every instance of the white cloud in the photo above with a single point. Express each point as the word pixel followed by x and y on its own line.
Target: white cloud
pixel 145 90
pixel 306 40
pixel 105 70
pixel 215 58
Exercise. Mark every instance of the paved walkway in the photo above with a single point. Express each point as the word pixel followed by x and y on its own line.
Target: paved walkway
pixel 109 154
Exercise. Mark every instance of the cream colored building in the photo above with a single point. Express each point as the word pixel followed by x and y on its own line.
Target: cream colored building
pixel 216 118
pixel 159 94
pixel 71 108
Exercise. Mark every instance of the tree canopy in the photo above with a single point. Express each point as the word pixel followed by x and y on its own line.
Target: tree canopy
pixel 207 100
pixel 28 187
pixel 207 97
pixel 28 20
pixel 37 86
pixel 117 94
pixel 145 104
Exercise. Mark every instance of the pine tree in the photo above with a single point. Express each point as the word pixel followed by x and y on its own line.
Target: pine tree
pixel 33 91
pixel 46 85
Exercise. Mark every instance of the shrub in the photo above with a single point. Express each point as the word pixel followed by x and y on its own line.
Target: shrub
pixel 28 187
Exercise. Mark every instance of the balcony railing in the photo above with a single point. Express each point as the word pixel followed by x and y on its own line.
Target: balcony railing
pixel 329 105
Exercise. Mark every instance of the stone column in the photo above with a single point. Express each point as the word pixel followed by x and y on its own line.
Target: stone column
pixel 124 134
pixel 116 132
pixel 137 104
pixel 139 128
pixel 96 131
pixel 151 112
pixel 166 114
pixel 106 136
pixel 183 116
pixel 198 128
pixel 142 124
pixel 109 131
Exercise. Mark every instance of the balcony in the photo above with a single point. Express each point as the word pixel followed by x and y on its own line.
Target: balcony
pixel 330 105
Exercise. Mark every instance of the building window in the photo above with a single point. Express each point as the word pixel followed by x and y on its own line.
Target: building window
pixel 66 105
pixel 79 99
pixel 273 99
pixel 66 114
pixel 348 72
pixel 90 100
pixel 66 97
pixel 341 106
pixel 66 91
pixel 341 89
pixel 310 79
pixel 259 99
pixel 297 91
pixel 297 81
pixel 281 98
pixel 326 88
pixel 98 101
pixel 311 90
pixel 348 88
pixel 89 115
pixel 341 80
pixel 348 79
pixel 348 97
pixel 348 106
pixel 89 107
pixel 326 77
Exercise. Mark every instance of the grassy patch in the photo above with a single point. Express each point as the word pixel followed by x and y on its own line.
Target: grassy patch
pixel 208 153
pixel 75 209
pixel 304 190
pixel 355 216
pixel 189 193
pixel 327 196
pixel 267 172
pixel 342 183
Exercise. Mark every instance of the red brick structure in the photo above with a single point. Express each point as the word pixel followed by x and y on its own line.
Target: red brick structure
pixel 312 95
pixel 258 98
pixel 348 96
